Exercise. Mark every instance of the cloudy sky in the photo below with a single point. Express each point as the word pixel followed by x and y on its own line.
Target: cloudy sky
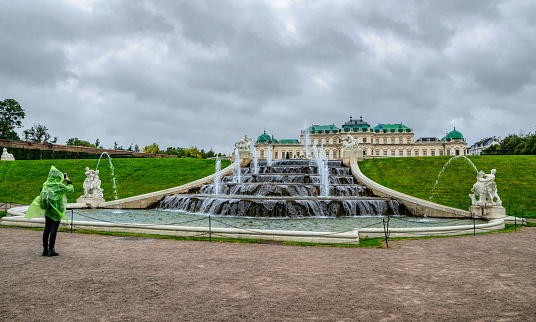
pixel 204 73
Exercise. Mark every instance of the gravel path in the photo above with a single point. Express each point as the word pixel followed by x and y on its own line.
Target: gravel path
pixel 104 278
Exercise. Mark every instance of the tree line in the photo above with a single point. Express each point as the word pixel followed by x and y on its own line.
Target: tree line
pixel 12 114
pixel 522 143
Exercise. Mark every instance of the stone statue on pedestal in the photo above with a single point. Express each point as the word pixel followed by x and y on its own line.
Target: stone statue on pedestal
pixel 92 191
pixel 7 156
pixel 486 190
pixel 349 143
pixel 244 144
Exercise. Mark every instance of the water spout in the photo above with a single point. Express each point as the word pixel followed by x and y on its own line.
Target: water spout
pixel 269 157
pixel 463 157
pixel 217 179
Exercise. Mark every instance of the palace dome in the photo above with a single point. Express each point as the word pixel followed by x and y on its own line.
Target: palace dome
pixel 453 136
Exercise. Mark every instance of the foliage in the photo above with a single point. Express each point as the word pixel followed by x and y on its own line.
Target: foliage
pixel 523 143
pixel 76 142
pixel 38 133
pixel 11 116
pixel 153 148
pixel 417 177
pixel 192 152
pixel 134 176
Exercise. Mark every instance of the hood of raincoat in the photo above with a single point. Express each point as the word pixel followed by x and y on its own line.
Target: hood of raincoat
pixel 52 200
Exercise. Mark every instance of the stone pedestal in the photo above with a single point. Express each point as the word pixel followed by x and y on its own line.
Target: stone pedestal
pixel 245 158
pixel 92 202
pixel 349 154
pixel 488 212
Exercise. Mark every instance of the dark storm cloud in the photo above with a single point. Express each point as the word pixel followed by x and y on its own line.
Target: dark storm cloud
pixel 206 72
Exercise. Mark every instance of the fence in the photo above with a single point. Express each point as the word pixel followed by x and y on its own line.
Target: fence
pixel 206 229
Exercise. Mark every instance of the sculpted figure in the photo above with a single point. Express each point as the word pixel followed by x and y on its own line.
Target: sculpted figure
pixel 349 143
pixel 244 144
pixel 6 155
pixel 486 190
pixel 92 184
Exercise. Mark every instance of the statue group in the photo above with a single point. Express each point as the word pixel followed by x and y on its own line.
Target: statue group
pixel 349 143
pixel 92 184
pixel 485 189
pixel 7 156
pixel 244 144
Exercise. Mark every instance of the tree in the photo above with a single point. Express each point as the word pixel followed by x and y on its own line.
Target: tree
pixel 77 142
pixel 37 133
pixel 11 116
pixel 153 148
pixel 97 143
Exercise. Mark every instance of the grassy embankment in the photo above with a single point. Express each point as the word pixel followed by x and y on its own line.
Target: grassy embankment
pixel 21 181
pixel 515 178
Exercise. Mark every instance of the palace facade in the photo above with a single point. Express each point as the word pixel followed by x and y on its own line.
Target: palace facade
pixel 381 141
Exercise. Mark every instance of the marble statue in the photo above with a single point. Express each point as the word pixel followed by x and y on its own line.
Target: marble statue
pixel 486 190
pixel 349 143
pixel 7 156
pixel 92 184
pixel 244 144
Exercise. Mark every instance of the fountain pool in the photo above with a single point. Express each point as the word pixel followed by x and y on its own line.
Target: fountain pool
pixel 324 224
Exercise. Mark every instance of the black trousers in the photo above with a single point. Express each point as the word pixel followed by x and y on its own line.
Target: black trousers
pixel 49 235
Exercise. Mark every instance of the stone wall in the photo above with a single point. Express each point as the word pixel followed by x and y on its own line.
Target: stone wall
pixel 82 149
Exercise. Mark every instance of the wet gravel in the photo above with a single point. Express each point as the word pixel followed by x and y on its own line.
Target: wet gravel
pixel 106 278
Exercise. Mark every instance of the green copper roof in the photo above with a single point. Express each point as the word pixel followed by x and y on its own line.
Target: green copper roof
pixel 354 123
pixel 391 127
pixel 453 136
pixel 289 141
pixel 323 129
pixel 265 138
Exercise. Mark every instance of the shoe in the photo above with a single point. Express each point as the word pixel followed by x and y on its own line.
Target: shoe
pixel 45 252
pixel 52 252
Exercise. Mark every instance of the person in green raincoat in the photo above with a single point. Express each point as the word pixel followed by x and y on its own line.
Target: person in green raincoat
pixel 52 202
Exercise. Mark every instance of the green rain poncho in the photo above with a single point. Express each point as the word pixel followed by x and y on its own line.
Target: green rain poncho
pixel 52 200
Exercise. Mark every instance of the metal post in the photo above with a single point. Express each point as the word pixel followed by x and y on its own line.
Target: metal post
pixel 10 201
pixel 522 217
pixel 474 225
pixel 71 221
pixel 515 220
pixel 209 230
pixel 386 230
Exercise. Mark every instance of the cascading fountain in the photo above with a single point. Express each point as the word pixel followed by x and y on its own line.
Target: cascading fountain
pixel 461 157
pixel 287 188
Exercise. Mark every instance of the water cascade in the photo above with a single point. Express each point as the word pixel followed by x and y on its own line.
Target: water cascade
pixel 286 188
pixel 462 157
pixel 238 171
pixel 269 156
pixel 255 161
pixel 217 179
pixel 112 170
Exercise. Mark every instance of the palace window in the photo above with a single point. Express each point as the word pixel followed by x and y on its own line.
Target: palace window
pixel 409 141
pixel 364 140
pixel 290 155
pixel 334 154
pixel 392 153
pixel 416 153
pixel 377 152
pixel 298 154
pixel 424 153
pixel 440 152
pixel 457 152
pixel 433 153
pixel 262 153
pixel 276 155
pixel 377 141
pixel 392 140
pixel 448 152
pixel 385 152
pixel 384 141
pixel 400 153
pixel 401 141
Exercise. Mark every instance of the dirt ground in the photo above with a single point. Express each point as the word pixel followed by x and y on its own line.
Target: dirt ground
pixel 104 278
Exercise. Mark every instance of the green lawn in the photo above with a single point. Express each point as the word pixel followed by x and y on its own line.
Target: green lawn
pixel 23 180
pixel 515 178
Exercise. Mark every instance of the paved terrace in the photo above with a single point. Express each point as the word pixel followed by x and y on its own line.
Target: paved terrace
pixel 96 278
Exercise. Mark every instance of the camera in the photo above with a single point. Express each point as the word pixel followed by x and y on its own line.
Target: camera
pixel 64 175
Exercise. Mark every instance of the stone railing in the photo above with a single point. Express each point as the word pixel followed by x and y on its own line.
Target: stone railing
pixel 416 206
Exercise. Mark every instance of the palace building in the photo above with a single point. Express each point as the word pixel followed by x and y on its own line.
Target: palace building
pixel 381 141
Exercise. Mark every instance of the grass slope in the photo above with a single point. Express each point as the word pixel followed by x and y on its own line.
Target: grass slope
pixel 516 183
pixel 23 179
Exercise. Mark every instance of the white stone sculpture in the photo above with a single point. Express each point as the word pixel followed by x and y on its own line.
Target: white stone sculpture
pixel 244 144
pixel 7 156
pixel 92 184
pixel 486 190
pixel 349 143
pixel 92 191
